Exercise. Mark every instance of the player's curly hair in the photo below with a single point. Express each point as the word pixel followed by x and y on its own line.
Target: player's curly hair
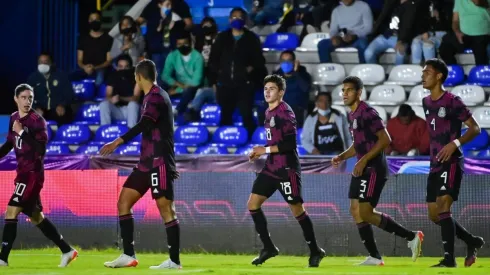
pixel 278 80
pixel 438 65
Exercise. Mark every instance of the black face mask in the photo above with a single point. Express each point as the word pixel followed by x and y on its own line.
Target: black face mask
pixel 95 25
pixel 128 31
pixel 184 50
pixel 207 31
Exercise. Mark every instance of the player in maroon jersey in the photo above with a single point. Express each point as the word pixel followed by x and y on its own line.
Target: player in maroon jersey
pixel 445 113
pixel 28 137
pixel 370 173
pixel 282 171
pixel 156 170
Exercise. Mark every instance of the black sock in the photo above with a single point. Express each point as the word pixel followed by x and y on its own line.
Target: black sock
pixel 461 232
pixel 173 240
pixel 9 235
pixel 367 237
pixel 50 231
pixel 261 227
pixel 126 222
pixel 308 232
pixel 448 232
pixel 391 226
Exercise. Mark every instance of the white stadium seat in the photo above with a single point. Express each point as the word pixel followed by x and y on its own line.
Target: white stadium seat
pixel 482 116
pixel 387 95
pixel 337 97
pixel 370 74
pixel 419 111
pixel 265 30
pixel 406 75
pixel 328 74
pixel 416 95
pixel 382 113
pixel 310 42
pixel 470 94
pixel 341 109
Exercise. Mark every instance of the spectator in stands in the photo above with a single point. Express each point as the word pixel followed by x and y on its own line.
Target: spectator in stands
pixel 129 41
pixel 93 52
pixel 409 135
pixel 53 91
pixel 266 12
pixel 183 72
pixel 399 22
pixel 122 96
pixel 351 23
pixel 237 68
pixel 298 85
pixel 205 37
pixel 471 29
pixel 326 131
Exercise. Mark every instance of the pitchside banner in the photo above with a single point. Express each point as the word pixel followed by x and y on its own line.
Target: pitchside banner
pixel 212 210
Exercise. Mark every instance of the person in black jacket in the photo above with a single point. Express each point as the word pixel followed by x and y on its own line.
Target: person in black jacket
pixel 237 67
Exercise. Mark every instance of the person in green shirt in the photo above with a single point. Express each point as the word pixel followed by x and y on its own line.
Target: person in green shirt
pixel 183 72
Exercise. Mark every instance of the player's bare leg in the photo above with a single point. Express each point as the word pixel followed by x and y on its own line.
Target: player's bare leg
pixel 167 211
pixel 254 205
pixel 9 233
pixel 316 253
pixel 127 199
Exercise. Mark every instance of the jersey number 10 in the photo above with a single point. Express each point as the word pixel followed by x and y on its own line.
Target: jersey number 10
pixel 18 142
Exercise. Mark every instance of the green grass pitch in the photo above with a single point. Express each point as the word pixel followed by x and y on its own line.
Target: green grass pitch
pixel 90 262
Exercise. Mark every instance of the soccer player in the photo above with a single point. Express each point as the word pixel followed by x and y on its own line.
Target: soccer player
pixel 156 170
pixel 282 171
pixel 28 136
pixel 370 173
pixel 445 113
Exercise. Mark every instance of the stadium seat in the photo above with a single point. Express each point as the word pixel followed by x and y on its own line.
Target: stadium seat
pixel 299 133
pixel 57 149
pixel 470 94
pixel 191 135
pixel 302 151
pixel 50 123
pixel 382 113
pixel 101 93
pixel 341 109
pixel 121 122
pixel 211 150
pixel 387 95
pixel 88 149
pixel 108 133
pixel 281 42
pixel 88 114
pixel 370 74
pixel 479 75
pixel 337 97
pixel 230 136
pixel 244 150
pixel 310 42
pixel 50 133
pixel 405 75
pixel 210 115
pixel 480 142
pixel 328 74
pixel 482 116
pixel 419 111
pixel 417 95
pixel 259 137
pixel 180 150
pixel 72 134
pixel 455 76
pixel 84 90
pixel 128 150
pixel 484 154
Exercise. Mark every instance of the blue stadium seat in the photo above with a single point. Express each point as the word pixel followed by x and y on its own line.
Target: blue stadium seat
pixel 84 90
pixel 455 76
pixel 281 42
pixel 129 150
pixel 72 134
pixel 230 136
pixel 101 95
pixel 108 133
pixel 211 150
pixel 210 115
pixel 191 135
pixel 180 150
pixel 88 149
pixel 50 123
pixel 259 136
pixel 479 75
pixel 238 119
pixel 57 149
pixel 302 151
pixel 484 154
pixel 121 122
pixel 50 133
pixel 480 142
pixel 244 150
pixel 88 114
pixel 299 132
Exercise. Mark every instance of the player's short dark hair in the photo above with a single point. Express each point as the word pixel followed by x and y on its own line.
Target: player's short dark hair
pixel 328 95
pixel 244 12
pixel 147 69
pixel 288 52
pixel 22 87
pixel 278 80
pixel 126 58
pixel 356 81
pixel 438 65
pixel 183 35
pixel 48 54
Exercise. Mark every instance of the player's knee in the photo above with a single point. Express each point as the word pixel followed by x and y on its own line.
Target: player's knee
pixel 433 217
pixel 167 212
pixel 11 213
pixel 253 204
pixel 366 215
pixel 123 207
pixel 37 218
pixel 354 211
pixel 297 209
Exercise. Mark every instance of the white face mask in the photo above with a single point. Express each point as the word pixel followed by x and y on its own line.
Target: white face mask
pixel 43 68
pixel 323 112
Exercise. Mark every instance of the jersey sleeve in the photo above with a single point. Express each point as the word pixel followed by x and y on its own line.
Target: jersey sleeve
pixel 372 119
pixel 41 132
pixel 460 110
pixel 288 121
pixel 151 108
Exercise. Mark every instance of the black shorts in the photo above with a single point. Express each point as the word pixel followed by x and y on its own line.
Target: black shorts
pixel 446 181
pixel 27 193
pixel 158 179
pixel 367 187
pixel 290 188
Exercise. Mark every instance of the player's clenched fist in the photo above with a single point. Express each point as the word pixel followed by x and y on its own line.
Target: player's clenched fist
pixel 336 161
pixel 17 126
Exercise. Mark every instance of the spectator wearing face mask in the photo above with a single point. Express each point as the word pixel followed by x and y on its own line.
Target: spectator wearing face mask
pixel 129 41
pixel 53 90
pixel 121 95
pixel 326 131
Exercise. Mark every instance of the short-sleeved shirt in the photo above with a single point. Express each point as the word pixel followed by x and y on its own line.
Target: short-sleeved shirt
pixel 364 124
pixel 157 146
pixel 28 157
pixel 280 126
pixel 473 20
pixel 122 83
pixel 444 118
pixel 95 49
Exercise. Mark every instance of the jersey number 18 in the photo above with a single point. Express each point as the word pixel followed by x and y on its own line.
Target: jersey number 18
pixel 268 134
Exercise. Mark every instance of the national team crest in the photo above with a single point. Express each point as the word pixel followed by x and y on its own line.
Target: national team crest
pixel 442 112
pixel 272 123
pixel 354 124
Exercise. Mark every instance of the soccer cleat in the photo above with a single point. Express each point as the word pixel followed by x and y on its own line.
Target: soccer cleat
pixel 446 263
pixel 123 261
pixel 416 245
pixel 472 250
pixel 3 263
pixel 168 264
pixel 67 258
pixel 265 255
pixel 316 258
pixel 372 261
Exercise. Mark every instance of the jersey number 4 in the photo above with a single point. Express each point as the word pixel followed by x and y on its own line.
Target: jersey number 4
pixel 433 123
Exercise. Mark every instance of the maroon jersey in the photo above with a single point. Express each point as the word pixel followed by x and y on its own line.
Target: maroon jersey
pixel 444 118
pixel 280 126
pixel 157 146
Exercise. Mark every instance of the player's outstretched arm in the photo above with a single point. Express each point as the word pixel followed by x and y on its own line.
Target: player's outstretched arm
pixel 144 124
pixel 349 153
pixel 448 150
